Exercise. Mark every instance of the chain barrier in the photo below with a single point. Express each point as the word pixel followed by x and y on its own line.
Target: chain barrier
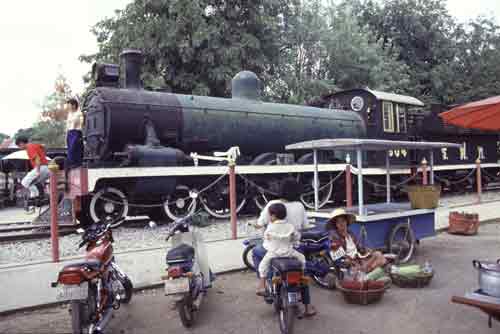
pixel 326 185
pixel 393 186
pixel 261 189
pixel 494 178
pixel 151 206
pixel 462 180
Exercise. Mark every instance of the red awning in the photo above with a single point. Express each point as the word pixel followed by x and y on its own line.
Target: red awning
pixel 481 115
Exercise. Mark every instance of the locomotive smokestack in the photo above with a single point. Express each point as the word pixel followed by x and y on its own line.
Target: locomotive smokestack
pixel 131 64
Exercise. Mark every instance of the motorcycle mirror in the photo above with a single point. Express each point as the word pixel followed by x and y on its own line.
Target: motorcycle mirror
pixel 80 230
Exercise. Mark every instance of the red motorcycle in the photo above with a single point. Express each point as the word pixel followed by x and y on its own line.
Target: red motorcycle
pixel 95 286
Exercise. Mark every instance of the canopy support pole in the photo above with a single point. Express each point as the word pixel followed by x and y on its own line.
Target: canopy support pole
pixel 431 158
pixel 388 176
pixel 316 190
pixel 360 180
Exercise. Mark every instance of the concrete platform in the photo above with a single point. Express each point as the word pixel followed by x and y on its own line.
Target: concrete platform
pixel 28 285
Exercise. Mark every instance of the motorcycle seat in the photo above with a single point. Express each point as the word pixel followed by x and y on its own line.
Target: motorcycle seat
pixel 92 264
pixel 181 253
pixel 314 234
pixel 286 264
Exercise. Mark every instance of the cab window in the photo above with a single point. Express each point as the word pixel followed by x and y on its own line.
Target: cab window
pixel 388 116
pixel 401 118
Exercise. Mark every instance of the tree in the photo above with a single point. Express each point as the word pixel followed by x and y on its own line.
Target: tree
pixel 50 128
pixel 195 46
pixel 301 69
pixel 355 59
pixel 422 33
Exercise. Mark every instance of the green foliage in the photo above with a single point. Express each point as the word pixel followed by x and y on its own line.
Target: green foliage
pixel 448 62
pixel 50 129
pixel 356 60
pixel 50 133
pixel 3 136
pixel 194 46
pixel 304 48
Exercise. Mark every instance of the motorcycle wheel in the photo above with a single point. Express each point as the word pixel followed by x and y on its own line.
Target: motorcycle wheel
pixel 82 312
pixel 186 311
pixel 248 257
pixel 126 294
pixel 76 317
pixel 329 281
pixel 287 313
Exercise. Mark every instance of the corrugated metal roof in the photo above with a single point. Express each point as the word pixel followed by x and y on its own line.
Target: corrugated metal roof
pixel 395 97
pixel 347 144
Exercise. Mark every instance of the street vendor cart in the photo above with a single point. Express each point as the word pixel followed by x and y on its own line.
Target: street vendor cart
pixel 398 227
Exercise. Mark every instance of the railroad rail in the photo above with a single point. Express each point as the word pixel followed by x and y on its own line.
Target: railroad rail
pixel 26 231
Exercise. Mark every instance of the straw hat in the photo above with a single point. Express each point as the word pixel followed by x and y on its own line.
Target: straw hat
pixel 341 213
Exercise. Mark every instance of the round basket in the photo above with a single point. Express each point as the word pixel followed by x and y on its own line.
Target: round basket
pixel 419 281
pixel 362 297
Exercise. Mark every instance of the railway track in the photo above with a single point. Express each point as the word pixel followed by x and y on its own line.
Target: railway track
pixel 26 231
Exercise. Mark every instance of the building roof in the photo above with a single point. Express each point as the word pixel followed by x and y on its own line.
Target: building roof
pixel 347 144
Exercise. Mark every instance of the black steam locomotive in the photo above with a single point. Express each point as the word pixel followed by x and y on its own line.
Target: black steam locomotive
pixel 138 141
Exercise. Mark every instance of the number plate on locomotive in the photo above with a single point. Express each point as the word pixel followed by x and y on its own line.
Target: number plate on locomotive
pixel 176 286
pixel 73 292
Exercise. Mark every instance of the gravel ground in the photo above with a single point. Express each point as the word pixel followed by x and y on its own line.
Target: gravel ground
pixel 125 239
pixel 232 307
pixel 134 238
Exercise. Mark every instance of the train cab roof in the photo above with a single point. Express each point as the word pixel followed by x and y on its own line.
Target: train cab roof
pixel 381 96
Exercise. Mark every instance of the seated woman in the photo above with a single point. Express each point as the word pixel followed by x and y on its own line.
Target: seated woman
pixel 360 259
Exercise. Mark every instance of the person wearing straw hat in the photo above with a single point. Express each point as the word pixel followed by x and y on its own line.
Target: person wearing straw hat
pixel 361 259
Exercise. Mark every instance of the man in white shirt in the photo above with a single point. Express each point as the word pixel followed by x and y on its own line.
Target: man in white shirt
pixel 74 137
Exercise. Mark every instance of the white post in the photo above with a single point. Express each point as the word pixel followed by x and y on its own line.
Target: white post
pixel 360 181
pixel 316 195
pixel 431 158
pixel 388 176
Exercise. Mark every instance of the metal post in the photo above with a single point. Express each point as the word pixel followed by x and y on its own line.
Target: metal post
pixel 424 172
pixel 479 183
pixel 316 190
pixel 360 181
pixel 348 185
pixel 54 228
pixel 232 199
pixel 432 166
pixel 388 177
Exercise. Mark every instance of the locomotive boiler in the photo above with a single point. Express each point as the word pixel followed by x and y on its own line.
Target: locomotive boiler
pixel 128 126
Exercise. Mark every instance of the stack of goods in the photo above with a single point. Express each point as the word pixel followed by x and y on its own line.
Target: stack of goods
pixel 412 276
pixel 463 223
pixel 365 288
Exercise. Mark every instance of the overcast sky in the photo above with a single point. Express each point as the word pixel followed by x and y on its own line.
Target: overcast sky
pixel 40 39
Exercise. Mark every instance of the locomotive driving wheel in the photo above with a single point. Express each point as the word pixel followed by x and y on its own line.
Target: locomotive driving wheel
pixel 325 189
pixel 180 203
pixel 109 204
pixel 216 199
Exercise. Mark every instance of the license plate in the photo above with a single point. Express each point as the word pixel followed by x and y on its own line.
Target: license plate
pixel 338 254
pixel 176 286
pixel 293 297
pixel 73 292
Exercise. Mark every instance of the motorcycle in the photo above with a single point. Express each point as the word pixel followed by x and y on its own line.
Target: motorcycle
pixel 95 286
pixel 284 287
pixel 316 247
pixel 188 273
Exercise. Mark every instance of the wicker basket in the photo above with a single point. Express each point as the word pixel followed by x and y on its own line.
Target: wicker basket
pixel 419 281
pixel 463 223
pixel 362 297
pixel 424 197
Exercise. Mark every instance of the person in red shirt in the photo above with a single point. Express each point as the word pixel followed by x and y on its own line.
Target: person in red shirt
pixel 40 172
